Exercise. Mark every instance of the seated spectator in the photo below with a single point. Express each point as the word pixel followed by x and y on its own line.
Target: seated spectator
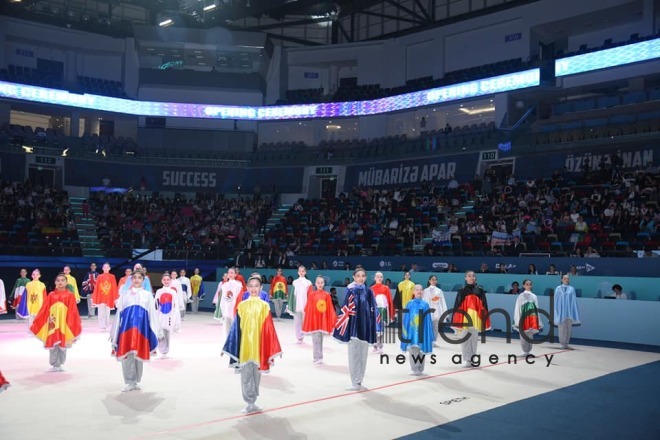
pixel 552 270
pixel 484 268
pixel 618 292
pixel 515 288
pixel 591 253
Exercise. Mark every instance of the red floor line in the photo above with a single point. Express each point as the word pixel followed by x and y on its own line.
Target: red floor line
pixel 336 396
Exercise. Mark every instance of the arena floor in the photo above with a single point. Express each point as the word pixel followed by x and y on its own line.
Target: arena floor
pixel 194 395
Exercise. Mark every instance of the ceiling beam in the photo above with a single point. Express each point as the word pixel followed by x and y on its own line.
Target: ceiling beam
pixel 423 10
pixel 391 17
pixel 407 10
pixel 280 24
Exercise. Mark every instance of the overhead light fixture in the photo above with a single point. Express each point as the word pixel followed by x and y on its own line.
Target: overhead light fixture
pixel 64 153
pixel 476 111
pixel 210 7
pixel 168 22
pixel 27 149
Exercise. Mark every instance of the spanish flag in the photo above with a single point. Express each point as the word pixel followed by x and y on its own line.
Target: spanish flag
pixel 58 321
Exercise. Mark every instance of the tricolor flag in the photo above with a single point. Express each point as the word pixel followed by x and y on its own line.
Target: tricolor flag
pixel 135 334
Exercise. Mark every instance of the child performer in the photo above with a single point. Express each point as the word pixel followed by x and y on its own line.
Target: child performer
pixel 105 295
pixel 71 284
pixel 320 317
pixel 88 287
pixel 417 331
pixel 385 309
pixel 231 291
pixel 298 301
pixel 135 333
pixel 526 317
pixel 167 303
pixel 58 323
pixel 357 326
pixel 217 299
pixel 278 292
pixel 125 279
pixel 252 343
pixel 470 302
pixel 197 289
pixel 567 314
pixel 18 290
pixel 32 299
pixel 434 296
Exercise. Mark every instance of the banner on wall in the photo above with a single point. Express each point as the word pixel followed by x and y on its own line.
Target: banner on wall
pixel 438 170
pixel 81 172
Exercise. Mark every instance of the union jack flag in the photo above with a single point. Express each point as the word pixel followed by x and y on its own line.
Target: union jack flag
pixel 347 311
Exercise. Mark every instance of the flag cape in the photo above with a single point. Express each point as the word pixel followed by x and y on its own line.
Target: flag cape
pixel 264 296
pixel 58 321
pixel 382 289
pixel 105 290
pixel 167 304
pixel 320 314
pixel 566 305
pixel 417 327
pixel 196 285
pixel 18 290
pixel 90 283
pixel 135 334
pixel 404 293
pixel 252 338
pixel 527 309
pixel 436 300
pixel 358 316
pixel 472 301
pixel 73 286
pixel 32 299
pixel 278 287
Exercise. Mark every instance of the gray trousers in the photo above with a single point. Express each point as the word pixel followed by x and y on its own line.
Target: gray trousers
pixel 416 368
pixel 436 333
pixel 164 342
pixel 57 356
pixel 250 378
pixel 183 313
pixel 90 305
pixel 379 341
pixel 317 345
pixel 565 332
pixel 278 303
pixel 526 346
pixel 469 347
pixel 132 369
pixel 297 324
pixel 358 351
pixel 194 307
pixel 104 316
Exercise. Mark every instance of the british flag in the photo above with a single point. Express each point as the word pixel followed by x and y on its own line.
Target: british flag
pixel 347 311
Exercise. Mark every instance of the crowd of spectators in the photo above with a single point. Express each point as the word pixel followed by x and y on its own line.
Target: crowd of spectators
pixel 36 219
pixel 204 227
pixel 592 214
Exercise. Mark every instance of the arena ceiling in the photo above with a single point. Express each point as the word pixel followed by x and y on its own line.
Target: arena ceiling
pixel 304 22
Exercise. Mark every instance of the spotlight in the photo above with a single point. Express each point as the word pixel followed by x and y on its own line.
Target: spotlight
pixel 168 22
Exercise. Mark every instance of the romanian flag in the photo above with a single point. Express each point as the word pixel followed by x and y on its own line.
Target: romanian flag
pixel 135 334
pixel 58 321
pixel 105 290
pixel 252 338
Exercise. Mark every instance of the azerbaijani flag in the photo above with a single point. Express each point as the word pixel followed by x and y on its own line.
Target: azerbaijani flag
pixel 135 334
pixel 58 321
